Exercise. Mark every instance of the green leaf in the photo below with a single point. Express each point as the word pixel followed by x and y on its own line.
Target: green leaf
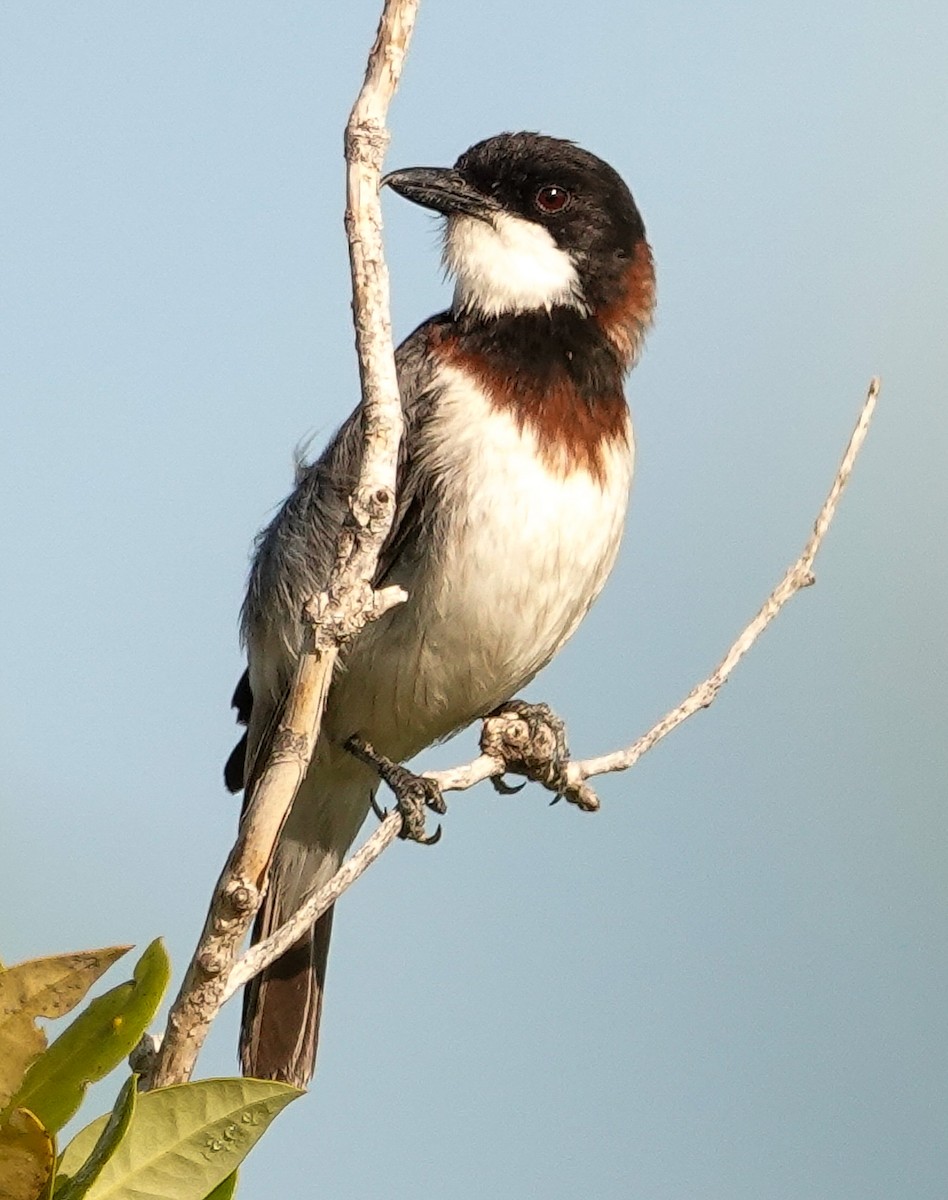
pixel 224 1190
pixel 183 1141
pixel 42 987
pixel 100 1038
pixel 113 1130
pixel 27 1156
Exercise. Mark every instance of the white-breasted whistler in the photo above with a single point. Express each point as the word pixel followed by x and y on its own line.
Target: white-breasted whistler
pixel 513 485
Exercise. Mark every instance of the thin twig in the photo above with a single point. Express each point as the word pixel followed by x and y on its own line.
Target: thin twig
pixel 506 729
pixel 271 948
pixel 459 779
pixel 349 601
pixel 799 576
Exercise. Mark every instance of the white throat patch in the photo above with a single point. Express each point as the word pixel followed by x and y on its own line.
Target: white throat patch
pixel 509 266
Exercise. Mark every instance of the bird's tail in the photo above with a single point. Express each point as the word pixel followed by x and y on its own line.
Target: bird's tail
pixel 282 1006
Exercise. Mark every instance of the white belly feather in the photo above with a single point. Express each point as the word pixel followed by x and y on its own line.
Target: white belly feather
pixel 525 553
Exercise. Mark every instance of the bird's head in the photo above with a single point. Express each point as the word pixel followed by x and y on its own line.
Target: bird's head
pixel 537 223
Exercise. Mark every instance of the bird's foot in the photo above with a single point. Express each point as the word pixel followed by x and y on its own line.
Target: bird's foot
pixel 414 794
pixel 531 739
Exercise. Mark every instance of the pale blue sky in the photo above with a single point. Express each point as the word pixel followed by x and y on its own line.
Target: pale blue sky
pixel 728 985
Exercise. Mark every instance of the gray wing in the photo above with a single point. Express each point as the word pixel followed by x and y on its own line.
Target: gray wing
pixel 295 553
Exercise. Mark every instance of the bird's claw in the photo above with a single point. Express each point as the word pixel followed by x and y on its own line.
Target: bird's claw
pixel 501 785
pixel 431 839
pixel 413 793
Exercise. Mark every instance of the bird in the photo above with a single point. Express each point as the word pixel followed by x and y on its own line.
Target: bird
pixel 513 484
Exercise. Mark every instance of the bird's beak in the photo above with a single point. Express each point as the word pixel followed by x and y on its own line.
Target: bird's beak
pixel 443 189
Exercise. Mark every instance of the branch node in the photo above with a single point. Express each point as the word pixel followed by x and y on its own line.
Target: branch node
pixel 209 964
pixel 366 141
pixel 240 899
pixel 374 507
pixel 288 745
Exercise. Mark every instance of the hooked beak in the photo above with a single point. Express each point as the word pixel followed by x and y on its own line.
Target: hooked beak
pixel 442 189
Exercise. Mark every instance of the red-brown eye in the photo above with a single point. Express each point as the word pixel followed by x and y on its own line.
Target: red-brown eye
pixel 552 199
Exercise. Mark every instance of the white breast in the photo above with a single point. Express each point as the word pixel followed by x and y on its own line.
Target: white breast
pixel 524 554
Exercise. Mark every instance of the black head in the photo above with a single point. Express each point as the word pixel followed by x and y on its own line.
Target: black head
pixel 533 222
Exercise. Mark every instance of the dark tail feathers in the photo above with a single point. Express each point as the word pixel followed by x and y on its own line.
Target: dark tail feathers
pixel 279 1029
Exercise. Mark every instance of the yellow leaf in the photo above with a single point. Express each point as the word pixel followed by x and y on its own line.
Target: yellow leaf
pixel 27 1157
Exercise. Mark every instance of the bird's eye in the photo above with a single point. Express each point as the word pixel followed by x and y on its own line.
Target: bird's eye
pixel 552 199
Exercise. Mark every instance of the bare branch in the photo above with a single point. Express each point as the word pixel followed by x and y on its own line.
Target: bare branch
pixel 496 760
pixel 265 952
pixel 459 779
pixel 349 601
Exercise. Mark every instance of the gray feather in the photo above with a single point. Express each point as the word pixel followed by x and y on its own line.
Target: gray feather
pixel 295 552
